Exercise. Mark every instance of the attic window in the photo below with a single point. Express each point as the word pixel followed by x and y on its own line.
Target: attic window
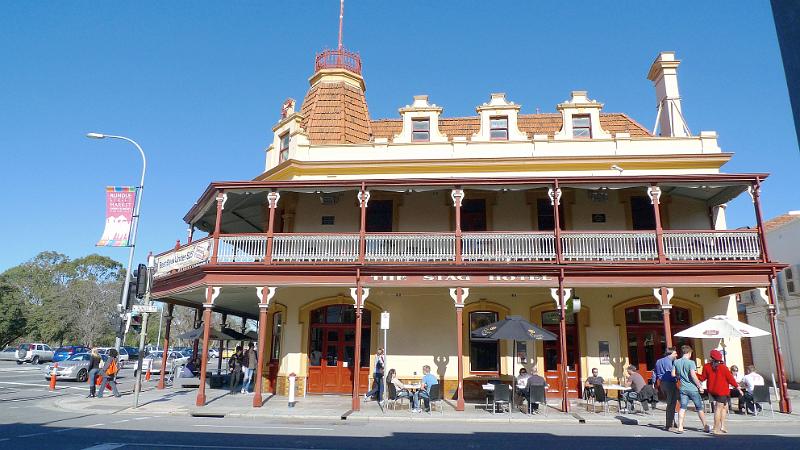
pixel 283 155
pixel 581 127
pixel 421 130
pixel 498 128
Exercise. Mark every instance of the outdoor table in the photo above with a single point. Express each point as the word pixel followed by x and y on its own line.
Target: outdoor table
pixel 615 387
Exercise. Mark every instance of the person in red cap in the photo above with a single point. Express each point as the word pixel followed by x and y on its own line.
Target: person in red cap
pixel 718 381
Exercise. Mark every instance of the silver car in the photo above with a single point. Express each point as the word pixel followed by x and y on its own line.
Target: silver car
pixel 8 354
pixel 76 367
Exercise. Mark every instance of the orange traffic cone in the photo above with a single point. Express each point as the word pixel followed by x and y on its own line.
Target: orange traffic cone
pixel 53 377
pixel 147 375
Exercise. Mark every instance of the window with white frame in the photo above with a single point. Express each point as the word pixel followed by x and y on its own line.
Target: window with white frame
pixel 581 126
pixel 498 128
pixel 283 155
pixel 421 130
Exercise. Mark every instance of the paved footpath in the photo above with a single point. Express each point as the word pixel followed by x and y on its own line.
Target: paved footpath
pixel 33 417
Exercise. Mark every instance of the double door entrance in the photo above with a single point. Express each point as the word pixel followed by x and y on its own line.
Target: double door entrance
pixel 332 364
pixel 552 357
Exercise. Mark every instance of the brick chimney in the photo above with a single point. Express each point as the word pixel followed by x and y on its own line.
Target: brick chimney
pixel 664 75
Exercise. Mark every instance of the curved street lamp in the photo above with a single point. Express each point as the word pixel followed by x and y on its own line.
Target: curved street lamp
pixel 134 226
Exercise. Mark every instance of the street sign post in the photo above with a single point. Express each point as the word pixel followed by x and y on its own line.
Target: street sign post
pixel 145 308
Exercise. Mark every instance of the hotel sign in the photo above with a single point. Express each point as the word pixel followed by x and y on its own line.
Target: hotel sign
pixel 461 280
pixel 187 257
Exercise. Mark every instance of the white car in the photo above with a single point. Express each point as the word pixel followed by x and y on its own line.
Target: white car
pixel 122 359
pixel 153 361
pixel 34 353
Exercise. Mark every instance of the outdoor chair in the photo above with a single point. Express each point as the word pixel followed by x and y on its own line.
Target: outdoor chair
pixel 761 395
pixel 601 397
pixel 436 398
pixel 502 396
pixel 391 396
pixel 536 394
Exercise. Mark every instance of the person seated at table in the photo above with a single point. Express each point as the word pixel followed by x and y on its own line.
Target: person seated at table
pixel 738 376
pixel 424 392
pixel 749 382
pixel 522 383
pixel 588 391
pixel 534 379
pixel 402 391
pixel 635 383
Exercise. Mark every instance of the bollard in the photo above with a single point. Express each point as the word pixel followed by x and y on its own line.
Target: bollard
pixel 292 378
pixel 53 377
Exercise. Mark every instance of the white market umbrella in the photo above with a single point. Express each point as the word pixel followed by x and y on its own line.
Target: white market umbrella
pixel 721 327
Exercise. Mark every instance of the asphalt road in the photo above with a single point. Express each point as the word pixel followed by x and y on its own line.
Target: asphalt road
pixel 28 420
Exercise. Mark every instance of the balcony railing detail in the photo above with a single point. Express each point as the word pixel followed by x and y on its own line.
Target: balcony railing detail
pixel 315 248
pixel 609 246
pixel 508 247
pixel 481 247
pixel 410 247
pixel 712 246
pixel 242 248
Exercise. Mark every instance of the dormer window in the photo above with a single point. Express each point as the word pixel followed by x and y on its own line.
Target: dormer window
pixel 499 128
pixel 581 126
pixel 421 130
pixel 283 154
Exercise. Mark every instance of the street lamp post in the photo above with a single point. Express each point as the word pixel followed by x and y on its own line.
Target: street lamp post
pixel 134 228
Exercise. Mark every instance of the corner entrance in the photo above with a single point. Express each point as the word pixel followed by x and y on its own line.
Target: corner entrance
pixel 332 365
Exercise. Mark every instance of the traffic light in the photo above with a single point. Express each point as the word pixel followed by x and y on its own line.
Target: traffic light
pixel 134 322
pixel 141 280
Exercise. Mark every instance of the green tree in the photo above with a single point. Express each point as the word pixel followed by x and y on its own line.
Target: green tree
pixel 13 320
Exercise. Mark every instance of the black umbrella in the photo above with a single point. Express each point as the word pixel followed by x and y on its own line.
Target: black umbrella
pixel 237 336
pixel 213 335
pixel 517 329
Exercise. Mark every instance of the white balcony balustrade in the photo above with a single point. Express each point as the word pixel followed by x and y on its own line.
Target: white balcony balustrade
pixel 242 248
pixel 731 245
pixel 304 248
pixel 410 247
pixel 609 246
pixel 508 247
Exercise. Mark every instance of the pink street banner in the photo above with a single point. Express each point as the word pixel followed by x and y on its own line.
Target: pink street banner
pixel 119 216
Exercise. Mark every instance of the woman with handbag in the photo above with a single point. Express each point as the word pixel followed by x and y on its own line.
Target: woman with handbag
pixel 110 374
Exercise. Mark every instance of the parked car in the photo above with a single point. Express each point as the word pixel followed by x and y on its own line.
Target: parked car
pixel 153 360
pixel 213 353
pixel 123 357
pixel 133 352
pixel 35 353
pixel 65 352
pixel 8 354
pixel 76 367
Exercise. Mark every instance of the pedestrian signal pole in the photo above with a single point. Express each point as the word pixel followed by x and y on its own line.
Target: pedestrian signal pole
pixel 145 285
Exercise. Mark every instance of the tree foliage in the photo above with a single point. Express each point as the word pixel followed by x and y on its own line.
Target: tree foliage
pixel 59 300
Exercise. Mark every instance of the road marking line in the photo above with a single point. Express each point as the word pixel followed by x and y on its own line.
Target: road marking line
pixel 106 446
pixel 122 421
pixel 95 425
pixel 263 427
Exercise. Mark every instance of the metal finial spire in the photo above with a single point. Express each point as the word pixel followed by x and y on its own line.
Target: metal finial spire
pixel 341 20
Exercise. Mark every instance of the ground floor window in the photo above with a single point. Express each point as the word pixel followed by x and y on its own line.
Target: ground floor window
pixel 484 355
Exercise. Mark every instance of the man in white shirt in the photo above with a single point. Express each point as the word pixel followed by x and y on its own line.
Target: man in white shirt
pixel 752 379
pixel 749 382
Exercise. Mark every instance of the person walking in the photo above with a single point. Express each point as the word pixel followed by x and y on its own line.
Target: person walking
pixel 665 382
pixel 685 370
pixel 718 380
pixel 377 384
pixel 94 369
pixel 110 374
pixel 249 363
pixel 235 368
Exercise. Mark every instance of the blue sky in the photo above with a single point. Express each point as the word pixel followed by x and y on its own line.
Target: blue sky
pixel 200 84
